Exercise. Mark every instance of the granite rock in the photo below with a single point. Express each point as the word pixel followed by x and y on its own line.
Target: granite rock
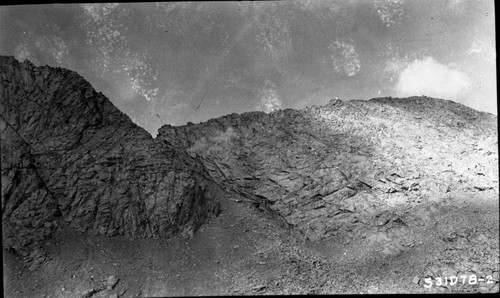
pixel 338 166
pixel 69 157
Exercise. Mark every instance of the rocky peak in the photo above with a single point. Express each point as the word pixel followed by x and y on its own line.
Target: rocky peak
pixel 69 157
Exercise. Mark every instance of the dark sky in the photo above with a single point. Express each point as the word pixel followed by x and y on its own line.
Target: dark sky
pixel 169 63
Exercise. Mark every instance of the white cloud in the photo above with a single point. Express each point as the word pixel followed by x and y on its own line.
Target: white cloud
pixel 428 77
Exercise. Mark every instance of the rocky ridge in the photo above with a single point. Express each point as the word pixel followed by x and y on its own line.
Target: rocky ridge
pixel 348 168
pixel 69 157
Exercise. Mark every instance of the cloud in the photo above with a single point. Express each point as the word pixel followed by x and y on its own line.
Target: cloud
pixel 428 77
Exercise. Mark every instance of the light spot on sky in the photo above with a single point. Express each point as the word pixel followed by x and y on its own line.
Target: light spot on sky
pixel 484 50
pixel 141 75
pixel 22 52
pixel 99 12
pixel 395 65
pixel 457 6
pixel 431 78
pixel 273 33
pixel 389 11
pixel 53 45
pixel 104 36
pixel 269 99
pixel 344 58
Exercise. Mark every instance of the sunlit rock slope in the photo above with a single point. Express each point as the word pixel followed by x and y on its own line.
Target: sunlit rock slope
pixel 350 166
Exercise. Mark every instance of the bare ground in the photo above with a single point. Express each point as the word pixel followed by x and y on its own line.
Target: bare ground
pixel 245 251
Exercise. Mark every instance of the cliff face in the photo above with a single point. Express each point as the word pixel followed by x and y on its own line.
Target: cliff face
pixel 70 157
pixel 348 168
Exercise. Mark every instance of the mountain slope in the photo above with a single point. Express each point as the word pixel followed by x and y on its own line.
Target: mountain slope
pixel 346 167
pixel 382 194
pixel 70 157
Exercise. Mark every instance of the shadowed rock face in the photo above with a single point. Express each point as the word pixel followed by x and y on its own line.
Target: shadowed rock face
pixel 70 157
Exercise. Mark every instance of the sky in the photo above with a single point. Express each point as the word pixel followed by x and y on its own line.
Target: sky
pixel 174 62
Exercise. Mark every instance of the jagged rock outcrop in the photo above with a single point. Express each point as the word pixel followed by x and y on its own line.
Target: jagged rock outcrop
pixel 339 168
pixel 70 157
